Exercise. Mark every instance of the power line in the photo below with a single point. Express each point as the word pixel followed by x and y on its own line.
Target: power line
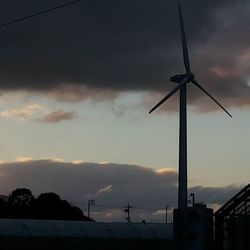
pixel 98 205
pixel 109 206
pixel 41 12
pixel 150 208
pixel 122 206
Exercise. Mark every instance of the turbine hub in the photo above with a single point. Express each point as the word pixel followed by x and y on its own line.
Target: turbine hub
pixel 178 78
pixel 190 77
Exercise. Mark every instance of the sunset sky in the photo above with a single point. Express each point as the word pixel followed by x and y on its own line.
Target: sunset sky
pixel 77 85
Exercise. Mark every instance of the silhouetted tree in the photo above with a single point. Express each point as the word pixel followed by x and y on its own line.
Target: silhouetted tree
pixel 4 208
pixel 77 213
pixel 21 197
pixel 49 206
pixel 20 203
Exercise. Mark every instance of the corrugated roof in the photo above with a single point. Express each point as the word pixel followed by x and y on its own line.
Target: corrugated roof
pixel 82 229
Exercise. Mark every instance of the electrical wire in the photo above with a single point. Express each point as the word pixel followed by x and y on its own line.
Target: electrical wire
pixel 41 12
pixel 121 206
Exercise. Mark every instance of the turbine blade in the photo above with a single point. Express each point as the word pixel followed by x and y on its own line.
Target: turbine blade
pixel 201 88
pixel 184 81
pixel 165 98
pixel 184 42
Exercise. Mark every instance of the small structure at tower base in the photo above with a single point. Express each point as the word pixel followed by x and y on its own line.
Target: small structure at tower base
pixel 193 228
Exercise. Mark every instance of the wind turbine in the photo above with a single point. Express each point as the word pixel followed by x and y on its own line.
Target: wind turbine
pixel 182 80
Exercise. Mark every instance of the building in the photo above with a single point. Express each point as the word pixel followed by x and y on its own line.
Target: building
pixel 45 234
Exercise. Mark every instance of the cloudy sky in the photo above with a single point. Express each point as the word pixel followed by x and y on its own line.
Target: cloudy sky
pixel 76 86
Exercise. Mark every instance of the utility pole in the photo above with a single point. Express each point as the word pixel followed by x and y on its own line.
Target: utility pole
pixel 166 213
pixel 127 210
pixel 90 203
pixel 193 198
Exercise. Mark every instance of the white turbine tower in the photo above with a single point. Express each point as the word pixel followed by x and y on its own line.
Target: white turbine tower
pixel 182 80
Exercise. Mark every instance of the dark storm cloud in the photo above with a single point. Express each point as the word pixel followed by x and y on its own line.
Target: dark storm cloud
pixel 110 184
pixel 126 45
pixel 84 180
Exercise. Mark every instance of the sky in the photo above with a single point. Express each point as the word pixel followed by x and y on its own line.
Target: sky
pixel 76 86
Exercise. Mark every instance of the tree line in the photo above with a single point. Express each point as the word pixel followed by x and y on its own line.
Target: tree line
pixel 21 204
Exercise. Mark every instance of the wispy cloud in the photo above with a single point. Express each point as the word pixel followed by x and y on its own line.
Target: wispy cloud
pixel 22 113
pixel 104 190
pixel 58 116
pixel 164 171
pixel 24 159
pixel 70 92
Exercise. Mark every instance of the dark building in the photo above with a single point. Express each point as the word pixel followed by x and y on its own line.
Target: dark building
pixel 45 234
pixel 232 223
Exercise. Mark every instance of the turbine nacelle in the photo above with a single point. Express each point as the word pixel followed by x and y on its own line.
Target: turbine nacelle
pixel 182 78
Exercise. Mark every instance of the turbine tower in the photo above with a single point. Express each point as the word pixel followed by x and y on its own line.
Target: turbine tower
pixel 182 80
